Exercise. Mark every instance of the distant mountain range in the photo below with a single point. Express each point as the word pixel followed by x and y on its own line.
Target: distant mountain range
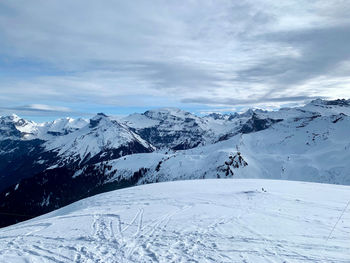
pixel 49 165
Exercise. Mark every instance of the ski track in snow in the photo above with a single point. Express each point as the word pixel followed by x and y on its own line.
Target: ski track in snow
pixel 192 221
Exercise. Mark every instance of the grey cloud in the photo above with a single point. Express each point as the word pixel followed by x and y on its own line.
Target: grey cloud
pixel 321 51
pixel 39 110
pixel 240 102
pixel 180 76
pixel 162 74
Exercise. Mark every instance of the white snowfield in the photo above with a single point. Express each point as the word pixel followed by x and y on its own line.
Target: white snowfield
pixel 232 220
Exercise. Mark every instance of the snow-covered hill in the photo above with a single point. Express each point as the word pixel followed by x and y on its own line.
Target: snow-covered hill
pixel 191 221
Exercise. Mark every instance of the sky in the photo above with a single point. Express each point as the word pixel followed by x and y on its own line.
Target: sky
pixel 75 58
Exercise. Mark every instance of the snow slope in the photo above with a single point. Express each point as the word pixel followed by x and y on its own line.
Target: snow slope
pixel 191 221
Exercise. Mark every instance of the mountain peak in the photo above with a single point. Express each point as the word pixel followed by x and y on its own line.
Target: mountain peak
pixel 15 117
pixel 95 121
pixel 101 114
pixel 163 112
pixel 248 113
pixel 337 102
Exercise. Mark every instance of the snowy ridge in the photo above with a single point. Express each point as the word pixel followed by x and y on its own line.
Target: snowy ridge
pixel 201 221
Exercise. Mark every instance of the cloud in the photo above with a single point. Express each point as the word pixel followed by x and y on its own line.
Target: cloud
pixel 38 110
pixel 43 107
pixel 321 51
pixel 168 53
pixel 240 102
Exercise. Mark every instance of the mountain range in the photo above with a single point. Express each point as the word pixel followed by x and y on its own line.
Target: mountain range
pixel 44 166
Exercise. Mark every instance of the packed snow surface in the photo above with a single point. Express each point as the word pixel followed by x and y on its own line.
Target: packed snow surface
pixel 232 220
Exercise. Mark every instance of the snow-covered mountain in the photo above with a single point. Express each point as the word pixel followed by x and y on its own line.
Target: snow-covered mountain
pixel 169 128
pixel 306 149
pixel 13 127
pixel 191 221
pixel 53 164
pixel 63 126
pixel 101 139
pixel 28 148
pixel 180 130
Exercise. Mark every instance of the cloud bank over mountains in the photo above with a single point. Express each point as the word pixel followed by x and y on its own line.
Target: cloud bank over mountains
pixel 162 53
